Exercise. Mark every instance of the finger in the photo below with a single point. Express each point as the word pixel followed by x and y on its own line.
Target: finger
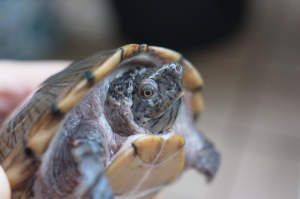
pixel 30 73
pixel 4 185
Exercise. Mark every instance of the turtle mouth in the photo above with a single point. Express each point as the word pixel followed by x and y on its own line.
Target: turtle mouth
pixel 165 122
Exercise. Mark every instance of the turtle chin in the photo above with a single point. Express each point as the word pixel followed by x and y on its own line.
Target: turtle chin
pixel 161 124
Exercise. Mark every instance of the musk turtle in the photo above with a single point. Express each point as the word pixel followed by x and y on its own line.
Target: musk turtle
pixel 120 124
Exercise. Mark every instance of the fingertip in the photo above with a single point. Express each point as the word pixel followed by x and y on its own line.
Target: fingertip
pixel 5 191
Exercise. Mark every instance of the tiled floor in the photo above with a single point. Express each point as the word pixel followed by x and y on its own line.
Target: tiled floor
pixel 252 109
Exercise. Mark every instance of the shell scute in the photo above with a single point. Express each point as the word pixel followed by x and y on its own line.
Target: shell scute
pixel 147 148
pixel 171 147
pixel 147 158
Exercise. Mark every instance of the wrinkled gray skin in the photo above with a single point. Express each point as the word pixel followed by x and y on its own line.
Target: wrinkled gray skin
pixel 155 113
pixel 131 100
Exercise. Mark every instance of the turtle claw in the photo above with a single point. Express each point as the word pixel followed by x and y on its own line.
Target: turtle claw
pixel 101 189
pixel 208 161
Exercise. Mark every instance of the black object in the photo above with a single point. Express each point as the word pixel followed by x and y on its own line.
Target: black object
pixel 178 24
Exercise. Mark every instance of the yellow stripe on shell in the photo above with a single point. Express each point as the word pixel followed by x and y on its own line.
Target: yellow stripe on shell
pixel 197 102
pixel 166 54
pixel 192 80
pixel 191 77
pixel 79 89
pixel 18 167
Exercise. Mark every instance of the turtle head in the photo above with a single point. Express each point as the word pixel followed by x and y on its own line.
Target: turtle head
pixel 156 97
pixel 145 96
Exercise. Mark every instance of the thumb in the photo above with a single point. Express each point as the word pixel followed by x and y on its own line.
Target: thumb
pixel 4 185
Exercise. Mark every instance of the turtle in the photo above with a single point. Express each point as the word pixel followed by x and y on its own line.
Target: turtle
pixel 119 124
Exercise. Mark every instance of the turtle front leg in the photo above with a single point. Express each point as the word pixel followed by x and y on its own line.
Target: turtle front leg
pixel 94 182
pixel 75 167
pixel 88 150
pixel 207 160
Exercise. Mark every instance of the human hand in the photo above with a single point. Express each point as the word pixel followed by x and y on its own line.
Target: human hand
pixel 17 80
pixel 4 185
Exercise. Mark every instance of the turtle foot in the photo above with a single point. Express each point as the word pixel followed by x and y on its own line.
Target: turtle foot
pixel 101 189
pixel 208 161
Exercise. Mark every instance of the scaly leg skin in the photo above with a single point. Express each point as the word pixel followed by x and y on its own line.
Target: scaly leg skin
pixel 208 160
pixel 94 180
pixel 75 168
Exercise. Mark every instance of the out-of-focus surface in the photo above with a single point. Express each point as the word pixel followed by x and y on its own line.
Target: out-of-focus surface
pixel 75 29
pixel 179 24
pixel 28 29
pixel 252 108
pixel 252 97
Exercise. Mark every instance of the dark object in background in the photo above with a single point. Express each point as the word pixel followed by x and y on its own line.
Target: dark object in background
pixel 178 24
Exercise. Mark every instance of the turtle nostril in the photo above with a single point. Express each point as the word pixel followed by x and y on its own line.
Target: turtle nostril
pixel 178 70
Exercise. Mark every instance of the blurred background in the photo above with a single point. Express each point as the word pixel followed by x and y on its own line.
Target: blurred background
pixel 247 51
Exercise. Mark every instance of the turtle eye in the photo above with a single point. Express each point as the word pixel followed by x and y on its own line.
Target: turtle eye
pixel 148 88
pixel 148 93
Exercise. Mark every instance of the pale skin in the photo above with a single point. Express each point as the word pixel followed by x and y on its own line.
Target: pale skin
pixel 17 80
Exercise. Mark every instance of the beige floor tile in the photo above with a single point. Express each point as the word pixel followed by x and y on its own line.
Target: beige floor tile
pixel 218 104
pixel 287 47
pixel 213 129
pixel 282 82
pixel 192 185
pixel 264 177
pixel 235 138
pixel 222 64
pixel 273 144
pixel 174 195
pixel 244 107
pixel 278 113
pixel 286 56
pixel 222 186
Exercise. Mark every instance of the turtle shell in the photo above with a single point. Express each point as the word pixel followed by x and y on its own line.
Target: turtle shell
pixel 26 137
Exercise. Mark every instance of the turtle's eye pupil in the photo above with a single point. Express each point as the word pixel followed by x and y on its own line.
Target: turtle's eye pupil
pixel 148 93
pixel 148 88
